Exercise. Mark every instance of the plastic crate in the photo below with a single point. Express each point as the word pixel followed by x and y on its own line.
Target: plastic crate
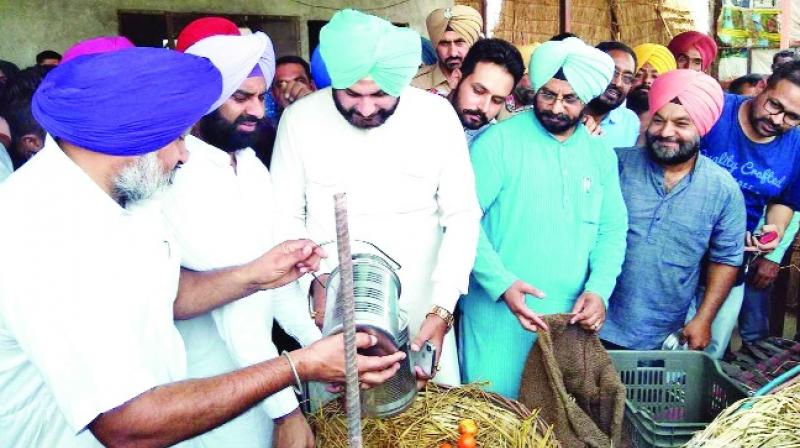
pixel 671 394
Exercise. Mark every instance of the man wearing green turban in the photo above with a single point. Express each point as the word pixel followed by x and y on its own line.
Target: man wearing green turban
pixel 554 221
pixel 401 156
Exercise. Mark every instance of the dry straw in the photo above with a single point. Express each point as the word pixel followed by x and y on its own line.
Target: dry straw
pixel 773 421
pixel 433 419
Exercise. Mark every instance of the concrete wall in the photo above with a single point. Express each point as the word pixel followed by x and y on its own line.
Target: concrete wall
pixel 29 26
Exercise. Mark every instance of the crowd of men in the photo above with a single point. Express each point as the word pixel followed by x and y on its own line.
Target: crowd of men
pixel 166 205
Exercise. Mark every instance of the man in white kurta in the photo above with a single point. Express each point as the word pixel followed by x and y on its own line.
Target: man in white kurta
pixel 221 211
pixel 409 182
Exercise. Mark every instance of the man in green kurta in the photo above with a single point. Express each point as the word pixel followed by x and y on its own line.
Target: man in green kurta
pixel 554 221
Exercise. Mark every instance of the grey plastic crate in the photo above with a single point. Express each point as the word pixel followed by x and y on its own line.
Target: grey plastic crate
pixel 671 394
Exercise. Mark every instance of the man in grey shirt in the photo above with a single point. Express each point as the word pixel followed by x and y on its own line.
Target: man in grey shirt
pixel 687 221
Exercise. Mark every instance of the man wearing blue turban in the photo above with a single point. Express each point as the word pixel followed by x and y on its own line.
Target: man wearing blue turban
pixel 89 353
pixel 554 224
pixel 400 155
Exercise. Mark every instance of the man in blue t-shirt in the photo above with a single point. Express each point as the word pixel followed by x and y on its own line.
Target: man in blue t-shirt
pixel 756 141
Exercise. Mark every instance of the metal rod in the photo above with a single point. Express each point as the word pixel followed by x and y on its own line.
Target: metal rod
pixel 347 301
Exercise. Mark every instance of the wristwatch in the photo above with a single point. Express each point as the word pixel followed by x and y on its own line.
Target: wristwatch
pixel 446 316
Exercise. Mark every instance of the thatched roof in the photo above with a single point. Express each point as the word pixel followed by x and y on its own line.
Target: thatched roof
pixel 631 21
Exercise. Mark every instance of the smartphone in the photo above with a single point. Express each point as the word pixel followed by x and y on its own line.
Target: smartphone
pixel 425 358
pixel 767 238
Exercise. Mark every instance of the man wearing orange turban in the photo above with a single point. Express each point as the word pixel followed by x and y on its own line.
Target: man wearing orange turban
pixel 452 32
pixel 693 50
pixel 682 208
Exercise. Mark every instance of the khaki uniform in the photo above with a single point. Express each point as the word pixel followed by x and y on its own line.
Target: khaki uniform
pixel 432 79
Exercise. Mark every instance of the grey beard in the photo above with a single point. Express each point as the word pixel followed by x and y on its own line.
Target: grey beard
pixel 141 180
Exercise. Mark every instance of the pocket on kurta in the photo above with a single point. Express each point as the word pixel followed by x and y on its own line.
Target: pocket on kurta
pixel 686 244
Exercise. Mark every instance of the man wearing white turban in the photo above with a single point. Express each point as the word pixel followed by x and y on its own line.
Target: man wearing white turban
pixel 554 221
pixel 221 212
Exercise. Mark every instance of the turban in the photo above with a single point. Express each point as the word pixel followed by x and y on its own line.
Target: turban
pixel 236 57
pixel 355 45
pixel 128 102
pixel 697 92
pixel 587 69
pixel 526 51
pixel 103 44
pixel 428 52
pixel 702 42
pixel 205 27
pixel 657 55
pixel 464 20
pixel 319 71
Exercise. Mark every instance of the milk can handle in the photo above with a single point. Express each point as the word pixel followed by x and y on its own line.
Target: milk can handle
pixel 394 262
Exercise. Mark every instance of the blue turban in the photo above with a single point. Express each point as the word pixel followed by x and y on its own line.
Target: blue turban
pixel 318 70
pixel 429 55
pixel 126 103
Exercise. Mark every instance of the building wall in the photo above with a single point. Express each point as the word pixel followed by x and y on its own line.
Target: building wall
pixel 29 26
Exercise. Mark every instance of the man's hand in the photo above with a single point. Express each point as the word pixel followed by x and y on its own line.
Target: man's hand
pixel 454 78
pixel 324 361
pixel 292 91
pixel 292 431
pixel 318 298
pixel 284 264
pixel 592 125
pixel 515 299
pixel 432 330
pixel 764 273
pixel 698 333
pixel 751 243
pixel 589 311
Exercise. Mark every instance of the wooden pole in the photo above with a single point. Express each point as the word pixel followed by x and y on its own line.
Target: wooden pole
pixel 347 302
pixel 565 25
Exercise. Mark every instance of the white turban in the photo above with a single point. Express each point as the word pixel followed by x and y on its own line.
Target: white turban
pixel 236 57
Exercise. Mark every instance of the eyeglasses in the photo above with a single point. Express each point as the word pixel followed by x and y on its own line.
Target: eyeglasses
pixel 774 107
pixel 627 78
pixel 549 98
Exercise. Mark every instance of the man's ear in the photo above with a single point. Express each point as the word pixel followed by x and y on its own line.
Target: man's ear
pixel 30 144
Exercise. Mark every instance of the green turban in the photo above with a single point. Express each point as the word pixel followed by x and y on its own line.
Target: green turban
pixel 587 69
pixel 355 45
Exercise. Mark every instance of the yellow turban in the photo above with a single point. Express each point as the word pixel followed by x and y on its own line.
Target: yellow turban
pixel 658 56
pixel 464 20
pixel 527 51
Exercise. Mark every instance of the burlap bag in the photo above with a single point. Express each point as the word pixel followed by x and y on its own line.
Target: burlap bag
pixel 569 376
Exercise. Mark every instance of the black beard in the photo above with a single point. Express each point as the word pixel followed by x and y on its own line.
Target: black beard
pixel 685 152
pixel 602 105
pixel 219 132
pixel 638 100
pixel 451 64
pixel 462 113
pixel 356 119
pixel 557 124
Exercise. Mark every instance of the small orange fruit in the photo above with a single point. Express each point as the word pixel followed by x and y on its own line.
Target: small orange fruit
pixel 467 441
pixel 468 426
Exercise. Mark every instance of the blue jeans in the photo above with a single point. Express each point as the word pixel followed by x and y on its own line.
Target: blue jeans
pixel 724 323
pixel 754 316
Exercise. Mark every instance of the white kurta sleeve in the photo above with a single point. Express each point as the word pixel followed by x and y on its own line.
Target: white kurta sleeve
pixel 290 308
pixel 460 215
pixel 86 332
pixel 245 326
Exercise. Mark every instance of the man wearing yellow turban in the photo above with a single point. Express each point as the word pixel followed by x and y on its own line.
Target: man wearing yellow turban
pixel 652 60
pixel 400 155
pixel 452 32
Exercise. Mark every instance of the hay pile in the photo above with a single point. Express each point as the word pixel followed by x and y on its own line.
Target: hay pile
pixel 772 421
pixel 433 419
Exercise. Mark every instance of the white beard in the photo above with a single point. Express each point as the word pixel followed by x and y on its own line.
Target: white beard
pixel 142 179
